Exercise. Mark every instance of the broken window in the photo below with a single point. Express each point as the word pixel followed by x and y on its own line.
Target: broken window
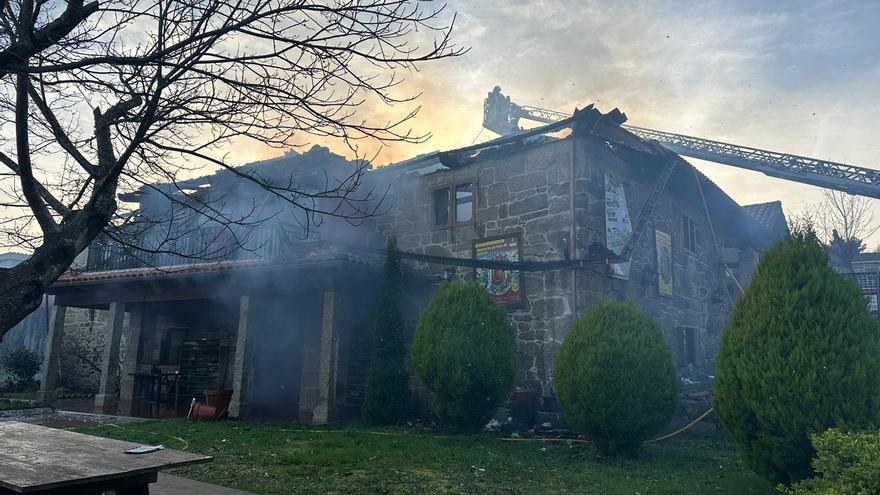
pixel 464 202
pixel 689 233
pixel 441 206
pixel 454 204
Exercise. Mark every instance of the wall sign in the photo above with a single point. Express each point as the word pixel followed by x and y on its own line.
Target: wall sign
pixel 664 262
pixel 618 229
pixel 505 286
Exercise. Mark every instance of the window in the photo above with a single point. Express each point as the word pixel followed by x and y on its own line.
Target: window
pixel 454 204
pixel 689 346
pixel 689 233
pixel 441 206
pixel 464 202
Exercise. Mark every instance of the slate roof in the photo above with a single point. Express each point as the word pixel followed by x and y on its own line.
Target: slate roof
pixel 769 215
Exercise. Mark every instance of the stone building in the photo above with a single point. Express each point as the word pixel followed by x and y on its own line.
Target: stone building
pixel 541 218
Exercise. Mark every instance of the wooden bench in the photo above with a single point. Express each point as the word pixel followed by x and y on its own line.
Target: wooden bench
pixel 174 485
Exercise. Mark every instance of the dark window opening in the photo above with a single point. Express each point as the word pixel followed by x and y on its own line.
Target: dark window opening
pixel 464 202
pixel 690 346
pixel 689 233
pixel 441 206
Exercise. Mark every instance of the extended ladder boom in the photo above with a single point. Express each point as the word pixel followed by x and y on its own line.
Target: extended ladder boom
pixel 849 178
pixel 502 116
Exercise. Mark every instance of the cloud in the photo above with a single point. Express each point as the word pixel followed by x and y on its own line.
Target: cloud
pixel 793 76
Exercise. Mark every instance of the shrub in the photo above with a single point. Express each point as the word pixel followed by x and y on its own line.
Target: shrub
pixel 464 351
pixel 615 377
pixel 21 364
pixel 387 394
pixel 800 355
pixel 846 464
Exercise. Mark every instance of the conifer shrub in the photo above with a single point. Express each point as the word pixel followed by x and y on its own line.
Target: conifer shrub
pixel 464 351
pixel 387 395
pixel 800 355
pixel 846 463
pixel 615 377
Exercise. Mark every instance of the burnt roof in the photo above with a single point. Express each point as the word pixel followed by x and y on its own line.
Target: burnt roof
pixel 317 162
pixel 746 226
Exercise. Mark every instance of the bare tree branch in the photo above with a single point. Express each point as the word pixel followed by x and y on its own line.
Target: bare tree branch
pixel 127 98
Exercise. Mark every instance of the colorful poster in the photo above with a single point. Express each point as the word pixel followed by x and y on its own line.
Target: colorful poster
pixel 504 286
pixel 664 262
pixel 618 229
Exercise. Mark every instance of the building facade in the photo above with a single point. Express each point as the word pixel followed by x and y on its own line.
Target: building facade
pixel 540 218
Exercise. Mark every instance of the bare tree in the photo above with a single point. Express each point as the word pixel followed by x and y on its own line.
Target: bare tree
pixel 851 216
pixel 843 222
pixel 114 96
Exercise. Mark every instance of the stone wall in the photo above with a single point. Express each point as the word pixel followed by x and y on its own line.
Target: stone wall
pixel 699 297
pixel 525 193
pixel 82 345
pixel 528 192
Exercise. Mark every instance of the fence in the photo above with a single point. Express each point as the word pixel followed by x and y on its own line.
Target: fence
pixel 200 246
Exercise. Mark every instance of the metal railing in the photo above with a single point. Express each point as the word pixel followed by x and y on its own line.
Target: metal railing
pixel 870 283
pixel 201 246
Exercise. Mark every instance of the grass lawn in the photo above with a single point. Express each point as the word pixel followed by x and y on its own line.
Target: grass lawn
pixel 296 459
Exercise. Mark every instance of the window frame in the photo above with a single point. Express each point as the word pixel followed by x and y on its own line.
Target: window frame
pixel 449 219
pixel 452 206
pixel 689 233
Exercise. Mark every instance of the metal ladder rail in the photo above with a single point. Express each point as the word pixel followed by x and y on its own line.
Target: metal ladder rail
pixel 850 178
pixel 648 208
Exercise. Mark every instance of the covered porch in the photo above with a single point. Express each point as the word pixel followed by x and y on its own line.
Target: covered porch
pixel 272 336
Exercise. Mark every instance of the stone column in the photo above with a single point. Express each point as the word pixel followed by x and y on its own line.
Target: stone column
pixel 137 321
pixel 238 405
pixel 52 355
pixel 326 377
pixel 108 394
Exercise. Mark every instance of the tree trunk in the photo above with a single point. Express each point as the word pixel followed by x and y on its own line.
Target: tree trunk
pixel 24 285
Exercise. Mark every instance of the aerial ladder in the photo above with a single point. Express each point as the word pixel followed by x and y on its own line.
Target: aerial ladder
pixel 502 116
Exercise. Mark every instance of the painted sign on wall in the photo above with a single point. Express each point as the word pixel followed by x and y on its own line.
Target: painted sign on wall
pixel 505 286
pixel 618 228
pixel 664 262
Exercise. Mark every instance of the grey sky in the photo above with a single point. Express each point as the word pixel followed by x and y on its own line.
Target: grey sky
pixel 794 76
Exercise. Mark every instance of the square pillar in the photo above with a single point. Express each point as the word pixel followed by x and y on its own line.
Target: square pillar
pixel 107 398
pixel 52 355
pixel 238 405
pixel 326 375
pixel 137 322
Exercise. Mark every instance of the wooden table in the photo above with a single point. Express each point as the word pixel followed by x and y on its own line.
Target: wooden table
pixel 36 459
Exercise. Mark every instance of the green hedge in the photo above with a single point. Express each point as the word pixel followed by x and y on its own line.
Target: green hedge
pixel 845 463
pixel 615 377
pixel 464 351
pixel 20 364
pixel 800 355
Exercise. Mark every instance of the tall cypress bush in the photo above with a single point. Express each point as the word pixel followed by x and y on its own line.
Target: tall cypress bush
pixel 464 351
pixel 800 355
pixel 388 396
